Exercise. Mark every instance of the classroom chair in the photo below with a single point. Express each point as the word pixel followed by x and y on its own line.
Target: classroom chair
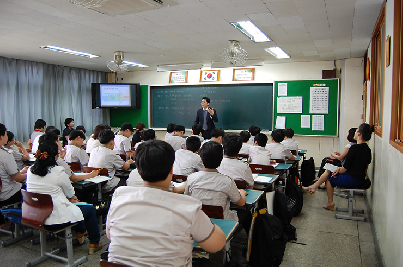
pixel 75 166
pixel 123 156
pixel 243 156
pixel 35 209
pixel 179 178
pixel 280 160
pixel 102 171
pixel 262 169
pixel 216 212
pixel 104 263
pixel 241 184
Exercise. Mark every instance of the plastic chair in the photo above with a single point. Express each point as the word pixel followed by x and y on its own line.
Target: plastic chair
pixel 216 212
pixel 262 169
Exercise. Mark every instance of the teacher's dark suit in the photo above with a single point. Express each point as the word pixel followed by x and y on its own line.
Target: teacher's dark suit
pixel 210 122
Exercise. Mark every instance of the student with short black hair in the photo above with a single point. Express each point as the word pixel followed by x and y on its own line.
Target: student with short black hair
pixel 170 130
pixel 69 123
pixel 230 165
pixel 74 153
pixel 50 129
pixel 258 154
pixel 122 141
pixel 140 126
pixel 153 240
pixel 244 135
pixel 276 149
pixel 253 131
pixel 146 135
pixel 176 140
pixel 93 142
pixel 217 135
pixel 197 130
pixel 288 141
pixel 105 157
pixel 187 161
pixel 39 128
pixel 211 187
pixel 19 156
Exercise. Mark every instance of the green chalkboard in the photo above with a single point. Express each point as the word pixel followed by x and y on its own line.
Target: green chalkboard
pixel 238 106
pixel 295 89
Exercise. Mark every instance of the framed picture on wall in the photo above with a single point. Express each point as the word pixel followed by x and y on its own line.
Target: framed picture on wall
pixel 387 52
pixel 178 77
pixel 244 74
pixel 209 75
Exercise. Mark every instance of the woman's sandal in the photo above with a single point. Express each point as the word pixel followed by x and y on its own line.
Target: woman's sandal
pixel 329 206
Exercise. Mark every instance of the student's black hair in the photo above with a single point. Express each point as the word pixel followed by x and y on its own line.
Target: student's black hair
pixel 179 128
pixel 98 129
pixel 126 126
pixel 254 130
pixel 232 144
pixel 81 128
pixel 108 127
pixel 288 132
pixel 10 136
pixel 261 139
pixel 197 129
pixel 47 137
pixel 45 158
pixel 217 132
pixel 278 135
pixel 39 124
pixel 74 134
pixel 366 131
pixel 244 135
pixel 3 129
pixel 148 134
pixel 140 126
pixel 170 127
pixel 105 136
pixel 52 129
pixel 67 121
pixel 207 99
pixel 350 135
pixel 211 154
pixel 193 143
pixel 154 160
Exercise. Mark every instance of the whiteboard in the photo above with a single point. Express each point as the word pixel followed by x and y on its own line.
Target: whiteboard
pixel 289 104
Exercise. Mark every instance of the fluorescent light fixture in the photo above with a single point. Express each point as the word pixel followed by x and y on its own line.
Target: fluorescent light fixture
pixel 135 64
pixel 68 51
pixel 250 30
pixel 277 52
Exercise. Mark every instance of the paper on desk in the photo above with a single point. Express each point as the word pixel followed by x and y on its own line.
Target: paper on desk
pixel 97 179
pixel 274 165
pixel 262 179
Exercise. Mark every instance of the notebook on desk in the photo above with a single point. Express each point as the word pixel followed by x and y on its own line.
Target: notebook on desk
pixel 261 178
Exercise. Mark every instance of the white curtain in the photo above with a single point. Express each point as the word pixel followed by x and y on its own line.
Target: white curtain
pixel 32 90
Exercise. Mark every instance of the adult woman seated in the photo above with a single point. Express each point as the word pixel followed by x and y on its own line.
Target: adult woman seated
pixel 46 177
pixel 352 173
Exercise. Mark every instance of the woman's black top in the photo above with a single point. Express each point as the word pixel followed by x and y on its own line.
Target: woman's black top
pixel 136 138
pixel 357 160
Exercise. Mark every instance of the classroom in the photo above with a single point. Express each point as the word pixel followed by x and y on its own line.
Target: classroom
pixel 360 43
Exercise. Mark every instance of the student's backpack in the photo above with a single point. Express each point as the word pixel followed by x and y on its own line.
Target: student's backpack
pixel 307 172
pixel 295 199
pixel 280 210
pixel 268 243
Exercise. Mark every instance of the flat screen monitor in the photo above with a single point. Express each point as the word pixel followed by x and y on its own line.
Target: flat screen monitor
pixel 115 95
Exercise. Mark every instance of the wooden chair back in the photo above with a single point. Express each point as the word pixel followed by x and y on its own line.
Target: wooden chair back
pixel 104 263
pixel 241 184
pixel 262 169
pixel 179 178
pixel 294 152
pixel 75 166
pixel 35 209
pixel 242 156
pixel 102 171
pixel 123 156
pixel 279 160
pixel 216 212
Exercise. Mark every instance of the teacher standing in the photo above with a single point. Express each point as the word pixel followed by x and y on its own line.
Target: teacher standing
pixel 206 117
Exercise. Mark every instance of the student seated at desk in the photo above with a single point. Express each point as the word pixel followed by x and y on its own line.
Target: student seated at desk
pixel 19 156
pixel 74 153
pixel 45 177
pixel 258 154
pixel 140 126
pixel 69 123
pixel 276 149
pixel 230 165
pixel 39 128
pixel 187 161
pixel 253 131
pixel 288 142
pixel 217 135
pixel 176 140
pixel 93 142
pixel 10 177
pixel 170 130
pixel 122 141
pixel 150 226
pixel 104 157
pixel 197 130
pixel 82 129
pixel 211 187
pixel 49 129
pixel 244 135
pixel 146 135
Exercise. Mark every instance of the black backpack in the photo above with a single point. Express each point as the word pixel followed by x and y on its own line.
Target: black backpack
pixel 268 243
pixel 307 172
pixel 280 210
pixel 295 199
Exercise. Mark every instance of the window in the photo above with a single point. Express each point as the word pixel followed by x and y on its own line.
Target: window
pixel 378 73
pixel 396 131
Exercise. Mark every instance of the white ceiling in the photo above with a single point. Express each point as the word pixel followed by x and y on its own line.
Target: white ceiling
pixel 185 31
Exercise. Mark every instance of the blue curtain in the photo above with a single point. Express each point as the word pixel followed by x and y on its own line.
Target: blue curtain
pixel 32 90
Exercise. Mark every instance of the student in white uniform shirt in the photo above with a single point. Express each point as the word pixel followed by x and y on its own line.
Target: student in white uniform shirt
pixel 258 154
pixel 253 131
pixel 217 135
pixel 288 142
pixel 74 152
pixel 39 128
pixel 170 130
pixel 122 141
pixel 93 142
pixel 211 187
pixel 197 130
pixel 187 161
pixel 82 129
pixel 150 226
pixel 276 149
pixel 244 135
pixel 176 140
pixel 19 156
pixel 146 135
pixel 52 129
pixel 104 157
pixel 230 165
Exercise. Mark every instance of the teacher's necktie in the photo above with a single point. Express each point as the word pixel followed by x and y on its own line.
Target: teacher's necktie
pixel 205 120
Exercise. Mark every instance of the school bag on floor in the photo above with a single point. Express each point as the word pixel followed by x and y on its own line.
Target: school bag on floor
pixel 280 210
pixel 295 199
pixel 308 172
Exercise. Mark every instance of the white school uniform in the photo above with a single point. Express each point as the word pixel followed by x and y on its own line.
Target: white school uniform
pixel 17 157
pixel 76 154
pixel 122 144
pixel 8 167
pixel 34 135
pixel 168 135
pixel 136 180
pixel 200 137
pixel 176 142
pixel 290 143
pixel 66 167
pixel 35 143
pixel 259 155
pixel 278 151
pixel 236 169
pixel 91 144
pixel 251 140
pixel 245 148
pixel 187 162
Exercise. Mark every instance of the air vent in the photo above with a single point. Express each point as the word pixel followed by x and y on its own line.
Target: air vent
pixel 122 7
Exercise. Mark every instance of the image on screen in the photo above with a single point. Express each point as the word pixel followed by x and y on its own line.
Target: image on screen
pixel 115 95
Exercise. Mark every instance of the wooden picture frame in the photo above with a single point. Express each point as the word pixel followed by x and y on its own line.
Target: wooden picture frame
pixel 387 50
pixel 243 74
pixel 209 75
pixel 178 77
pixel 368 70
